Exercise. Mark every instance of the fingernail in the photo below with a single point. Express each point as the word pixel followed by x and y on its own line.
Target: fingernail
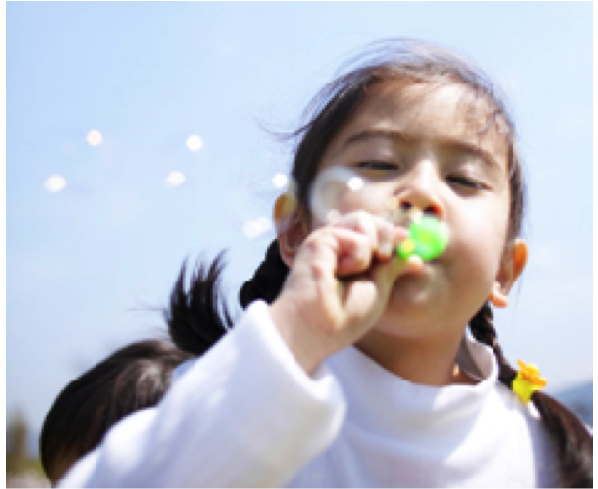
pixel 362 255
pixel 415 261
pixel 386 249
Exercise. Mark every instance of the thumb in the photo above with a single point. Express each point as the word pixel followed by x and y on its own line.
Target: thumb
pixel 384 275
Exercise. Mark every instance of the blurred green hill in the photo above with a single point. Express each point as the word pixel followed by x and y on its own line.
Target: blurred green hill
pixel 22 468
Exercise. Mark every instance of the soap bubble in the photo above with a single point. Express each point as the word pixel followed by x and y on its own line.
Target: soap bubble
pixel 55 183
pixel 94 137
pixel 254 229
pixel 280 180
pixel 339 189
pixel 194 143
pixel 175 178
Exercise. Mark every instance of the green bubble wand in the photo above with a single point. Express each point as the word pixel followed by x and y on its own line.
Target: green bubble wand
pixel 427 238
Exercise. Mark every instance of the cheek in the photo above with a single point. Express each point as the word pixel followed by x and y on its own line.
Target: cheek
pixel 481 251
pixel 478 246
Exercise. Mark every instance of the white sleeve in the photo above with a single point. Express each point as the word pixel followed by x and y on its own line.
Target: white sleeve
pixel 245 414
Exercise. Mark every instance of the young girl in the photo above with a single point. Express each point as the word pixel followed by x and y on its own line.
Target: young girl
pixel 351 366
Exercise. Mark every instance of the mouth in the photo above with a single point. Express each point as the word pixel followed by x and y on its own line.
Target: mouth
pixel 427 269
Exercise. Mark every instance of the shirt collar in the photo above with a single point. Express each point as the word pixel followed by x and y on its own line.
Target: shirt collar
pixel 383 402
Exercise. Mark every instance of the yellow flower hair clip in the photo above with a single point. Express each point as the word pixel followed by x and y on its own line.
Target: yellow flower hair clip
pixel 528 381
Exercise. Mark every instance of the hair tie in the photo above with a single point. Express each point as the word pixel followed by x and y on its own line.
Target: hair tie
pixel 528 381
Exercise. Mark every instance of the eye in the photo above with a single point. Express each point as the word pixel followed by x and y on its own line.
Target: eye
pixel 377 165
pixel 467 182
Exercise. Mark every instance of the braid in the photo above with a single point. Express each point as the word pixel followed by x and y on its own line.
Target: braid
pixel 482 327
pixel 573 442
pixel 268 279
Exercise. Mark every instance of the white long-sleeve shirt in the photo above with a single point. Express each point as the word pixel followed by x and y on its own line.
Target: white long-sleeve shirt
pixel 245 414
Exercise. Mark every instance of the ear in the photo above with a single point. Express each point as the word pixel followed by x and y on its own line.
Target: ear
pixel 511 267
pixel 290 227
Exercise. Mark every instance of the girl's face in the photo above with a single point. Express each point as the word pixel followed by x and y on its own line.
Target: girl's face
pixel 415 145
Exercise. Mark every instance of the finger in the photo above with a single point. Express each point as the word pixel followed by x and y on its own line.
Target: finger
pixel 384 275
pixel 334 252
pixel 361 222
pixel 357 256
pixel 355 252
pixel 389 237
pixel 414 263
pixel 383 235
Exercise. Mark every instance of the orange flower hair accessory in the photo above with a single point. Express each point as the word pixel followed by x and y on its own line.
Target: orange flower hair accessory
pixel 528 381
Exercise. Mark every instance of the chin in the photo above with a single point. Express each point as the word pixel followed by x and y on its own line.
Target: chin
pixel 410 324
pixel 413 300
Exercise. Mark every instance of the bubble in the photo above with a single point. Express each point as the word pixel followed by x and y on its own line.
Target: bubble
pixel 94 137
pixel 338 190
pixel 256 228
pixel 280 181
pixel 194 143
pixel 175 178
pixel 333 215
pixel 55 183
pixel 355 183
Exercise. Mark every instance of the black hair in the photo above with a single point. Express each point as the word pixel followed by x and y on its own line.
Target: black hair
pixel 197 318
pixel 415 62
pixel 134 377
pixel 575 446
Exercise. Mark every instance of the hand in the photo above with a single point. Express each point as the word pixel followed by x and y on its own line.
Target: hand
pixel 339 286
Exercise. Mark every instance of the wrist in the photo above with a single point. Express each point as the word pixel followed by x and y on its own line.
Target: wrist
pixel 307 348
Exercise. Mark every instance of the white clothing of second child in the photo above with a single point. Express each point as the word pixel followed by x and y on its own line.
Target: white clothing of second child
pixel 245 414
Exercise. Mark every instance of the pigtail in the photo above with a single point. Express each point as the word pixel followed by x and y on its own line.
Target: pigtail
pixel 268 279
pixel 197 319
pixel 575 444
pixel 572 440
pixel 482 328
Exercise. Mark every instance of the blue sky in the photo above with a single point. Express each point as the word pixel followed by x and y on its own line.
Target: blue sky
pixel 87 266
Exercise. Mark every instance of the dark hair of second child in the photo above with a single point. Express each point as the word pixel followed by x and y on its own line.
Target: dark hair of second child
pixel 133 378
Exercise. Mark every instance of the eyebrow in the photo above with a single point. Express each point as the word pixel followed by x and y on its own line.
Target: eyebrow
pixel 395 135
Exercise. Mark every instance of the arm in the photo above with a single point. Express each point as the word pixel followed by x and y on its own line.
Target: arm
pixel 258 406
pixel 245 414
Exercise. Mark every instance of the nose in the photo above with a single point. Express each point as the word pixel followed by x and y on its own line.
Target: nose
pixel 419 189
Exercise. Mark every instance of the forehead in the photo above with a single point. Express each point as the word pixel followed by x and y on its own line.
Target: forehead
pixel 426 113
